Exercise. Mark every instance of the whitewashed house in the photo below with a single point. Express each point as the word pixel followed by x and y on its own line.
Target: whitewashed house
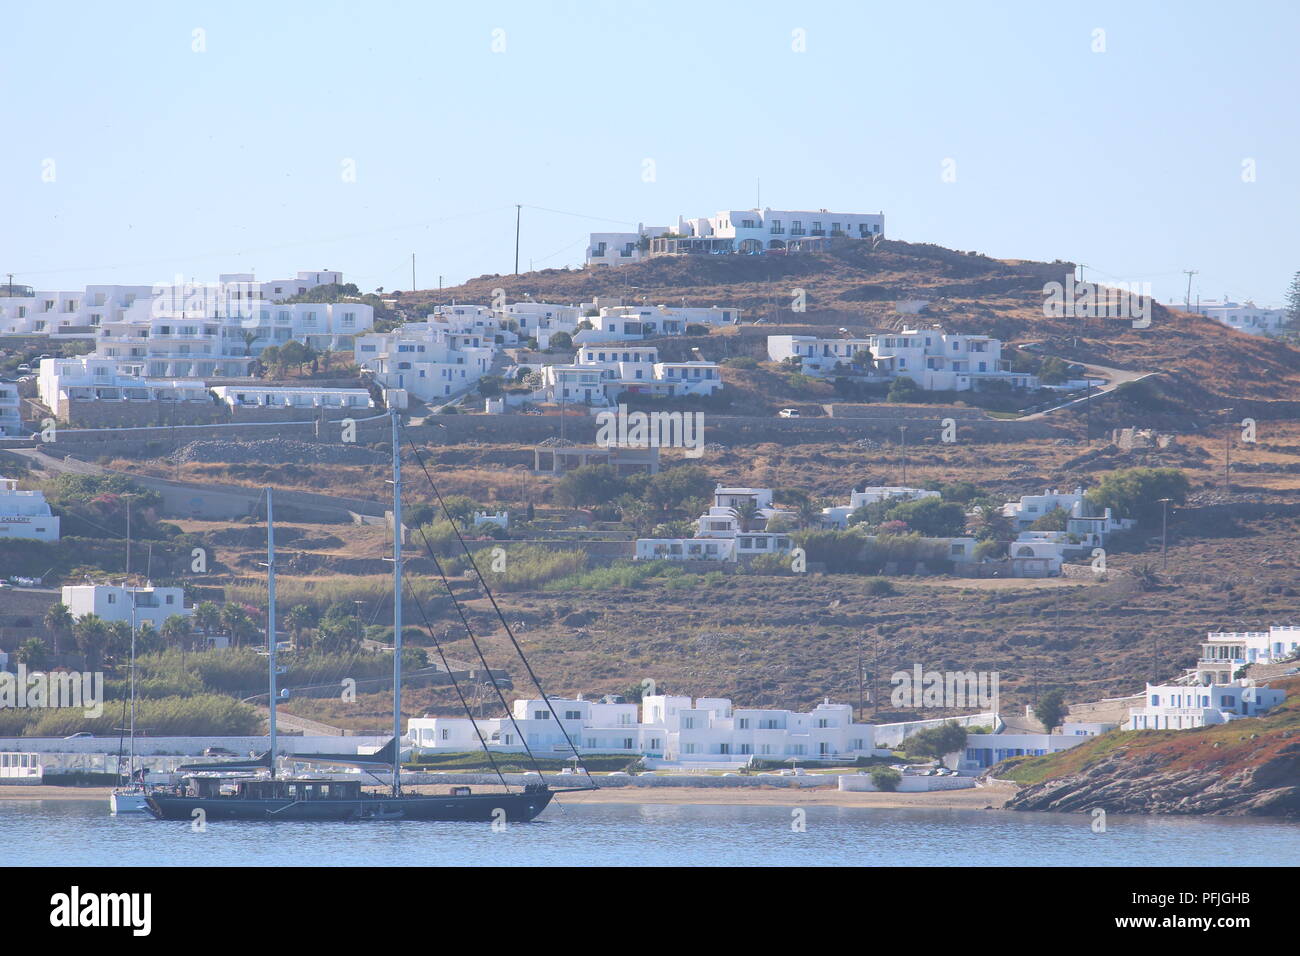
pixel 114 602
pixel 293 397
pixel 838 515
pixel 672 729
pixel 25 514
pixel 984 750
pixel 1224 653
pixel 1248 318
pixel 1184 706
pixel 821 356
pixel 429 360
pixel 11 422
pixel 93 378
pixel 1032 507
pixel 76 314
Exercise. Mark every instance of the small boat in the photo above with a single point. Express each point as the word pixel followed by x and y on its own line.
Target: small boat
pixel 133 796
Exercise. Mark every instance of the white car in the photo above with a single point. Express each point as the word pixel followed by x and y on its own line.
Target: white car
pixel 788 413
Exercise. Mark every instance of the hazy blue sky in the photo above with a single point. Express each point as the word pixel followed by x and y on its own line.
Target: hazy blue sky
pixel 167 160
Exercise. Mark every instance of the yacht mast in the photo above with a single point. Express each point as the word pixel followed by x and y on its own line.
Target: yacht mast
pixel 397 605
pixel 270 614
pixel 130 764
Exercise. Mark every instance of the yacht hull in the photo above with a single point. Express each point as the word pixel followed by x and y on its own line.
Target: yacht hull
pixel 471 808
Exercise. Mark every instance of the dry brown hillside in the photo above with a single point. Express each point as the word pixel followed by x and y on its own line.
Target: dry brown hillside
pixel 1207 366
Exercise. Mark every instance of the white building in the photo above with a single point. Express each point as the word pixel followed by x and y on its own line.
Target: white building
pixel 822 356
pixel 675 729
pixel 620 248
pixel 113 602
pixel 75 314
pixel 838 515
pixel 1032 507
pixel 25 514
pixel 601 373
pixel 430 360
pixel 92 378
pixel 1183 706
pixel 746 232
pixel 722 535
pixel 1248 318
pixel 293 397
pixel 984 750
pixel 622 323
pixel 1225 652
pixel 11 423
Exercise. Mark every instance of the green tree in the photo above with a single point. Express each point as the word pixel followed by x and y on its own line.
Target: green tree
pixel 176 631
pixel 118 645
pixel 886 778
pixel 58 621
pixel 1055 520
pixel 33 654
pixel 589 485
pixel 207 618
pixel 949 737
pixel 1050 709
pixel 932 517
pixel 1293 302
pixel 560 341
pixel 674 486
pixel 904 390
pixel 91 634
pixel 298 621
pixel 746 513
pixel 1136 492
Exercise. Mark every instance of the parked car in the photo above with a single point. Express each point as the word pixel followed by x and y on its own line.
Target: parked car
pixel 24 367
pixel 788 413
pixel 219 752
pixel 79 736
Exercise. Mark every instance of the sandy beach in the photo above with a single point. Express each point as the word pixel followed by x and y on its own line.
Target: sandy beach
pixel 978 798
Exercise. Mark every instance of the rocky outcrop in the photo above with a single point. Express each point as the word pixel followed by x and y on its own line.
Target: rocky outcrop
pixel 1129 782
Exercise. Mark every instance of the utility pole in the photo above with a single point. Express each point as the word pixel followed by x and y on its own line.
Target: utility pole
pixel 859 717
pixel 1164 533
pixel 1227 453
pixel 1187 301
pixel 902 431
pixel 518 213
pixel 412 271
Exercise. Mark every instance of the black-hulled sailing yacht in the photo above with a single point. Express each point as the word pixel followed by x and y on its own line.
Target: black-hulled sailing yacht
pixel 223 792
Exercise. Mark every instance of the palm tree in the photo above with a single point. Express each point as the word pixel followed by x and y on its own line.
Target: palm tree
pixel 33 654
pixel 147 639
pixel 237 623
pixel 810 514
pixel 58 621
pixel 745 512
pixel 297 620
pixel 91 634
pixel 207 618
pixel 118 640
pixel 176 629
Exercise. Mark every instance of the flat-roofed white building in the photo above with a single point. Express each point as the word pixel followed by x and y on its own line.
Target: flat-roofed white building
pixel 429 360
pixel 676 729
pixel 818 355
pixel 11 422
pixel 25 514
pixel 114 602
pixel 303 397
pixel 1247 317
pixel 1223 653
pixel 1184 706
pixel 73 314
pixel 838 515
pixel 61 382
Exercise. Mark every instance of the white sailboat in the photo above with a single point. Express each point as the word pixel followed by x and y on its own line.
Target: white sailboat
pixel 132 797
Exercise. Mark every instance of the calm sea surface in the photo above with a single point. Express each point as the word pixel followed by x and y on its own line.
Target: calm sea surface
pixel 83 833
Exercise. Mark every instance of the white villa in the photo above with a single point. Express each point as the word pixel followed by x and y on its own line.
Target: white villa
pixel 1225 652
pixel 114 602
pixel 837 516
pixel 94 378
pixel 822 356
pixel 430 360
pixel 25 514
pixel 721 534
pixel 620 323
pixel 1248 318
pixel 276 396
pixel 11 422
pixel 933 358
pixel 708 730
pixel 1183 706
pixel 601 373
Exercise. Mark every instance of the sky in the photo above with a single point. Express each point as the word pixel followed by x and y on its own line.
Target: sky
pixel 151 140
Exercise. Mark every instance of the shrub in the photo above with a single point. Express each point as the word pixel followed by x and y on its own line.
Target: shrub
pixel 886 778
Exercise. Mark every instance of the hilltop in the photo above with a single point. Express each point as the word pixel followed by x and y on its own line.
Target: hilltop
pixel 1204 366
